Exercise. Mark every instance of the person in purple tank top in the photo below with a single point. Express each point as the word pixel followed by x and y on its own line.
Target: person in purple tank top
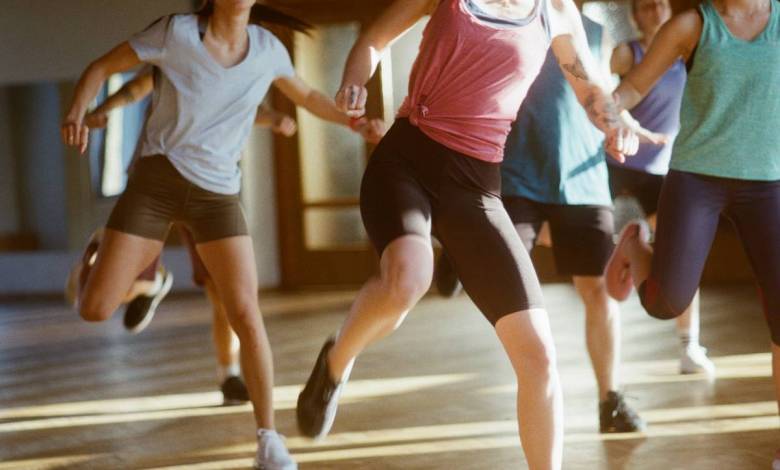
pixel 642 175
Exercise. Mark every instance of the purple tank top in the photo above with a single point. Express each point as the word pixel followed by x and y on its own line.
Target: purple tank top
pixel 659 111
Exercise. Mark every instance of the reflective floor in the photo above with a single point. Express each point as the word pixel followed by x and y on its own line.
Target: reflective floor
pixel 439 394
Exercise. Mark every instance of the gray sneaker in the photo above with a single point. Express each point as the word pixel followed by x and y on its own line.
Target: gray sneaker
pixel 272 454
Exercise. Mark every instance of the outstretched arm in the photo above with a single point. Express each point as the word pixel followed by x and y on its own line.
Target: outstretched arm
pixel 676 39
pixel 322 106
pixel 365 55
pixel 133 91
pixel 588 81
pixel 120 59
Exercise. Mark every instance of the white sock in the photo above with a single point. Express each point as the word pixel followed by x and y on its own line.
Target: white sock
pixel 688 338
pixel 230 370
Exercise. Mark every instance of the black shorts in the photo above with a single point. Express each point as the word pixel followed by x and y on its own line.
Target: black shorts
pixel 414 185
pixel 581 235
pixel 158 195
pixel 645 187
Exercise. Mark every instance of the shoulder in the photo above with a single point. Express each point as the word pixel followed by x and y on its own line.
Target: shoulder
pixel 265 38
pixel 687 22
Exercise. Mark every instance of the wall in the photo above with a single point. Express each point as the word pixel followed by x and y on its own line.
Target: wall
pixel 51 40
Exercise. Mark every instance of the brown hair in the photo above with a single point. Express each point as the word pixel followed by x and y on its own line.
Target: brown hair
pixel 261 14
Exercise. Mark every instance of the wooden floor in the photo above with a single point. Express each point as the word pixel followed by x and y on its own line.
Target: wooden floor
pixel 439 394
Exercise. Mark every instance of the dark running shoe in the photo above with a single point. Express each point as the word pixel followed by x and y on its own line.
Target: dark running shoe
pixel 447 282
pixel 140 311
pixel 319 400
pixel 234 391
pixel 616 416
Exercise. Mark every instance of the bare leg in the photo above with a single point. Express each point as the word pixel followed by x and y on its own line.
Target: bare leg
pixel 231 263
pixel 225 340
pixel 527 339
pixel 602 331
pixel 406 270
pixel 120 258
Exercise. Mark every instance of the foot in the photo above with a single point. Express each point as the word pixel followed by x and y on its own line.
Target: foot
pixel 318 402
pixel 447 281
pixel 234 391
pixel 618 270
pixel 140 311
pixel 272 454
pixel 776 462
pixel 616 416
pixel 694 360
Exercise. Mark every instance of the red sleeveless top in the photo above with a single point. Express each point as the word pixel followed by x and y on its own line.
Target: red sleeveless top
pixel 470 78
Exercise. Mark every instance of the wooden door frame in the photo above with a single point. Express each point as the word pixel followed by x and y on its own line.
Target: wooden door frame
pixel 300 266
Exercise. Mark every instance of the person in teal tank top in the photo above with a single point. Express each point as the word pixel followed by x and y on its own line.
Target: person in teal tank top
pixel 555 171
pixel 725 161
pixel 642 176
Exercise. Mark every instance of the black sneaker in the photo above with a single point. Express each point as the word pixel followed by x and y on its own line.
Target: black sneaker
pixel 447 282
pixel 318 402
pixel 616 416
pixel 234 391
pixel 140 311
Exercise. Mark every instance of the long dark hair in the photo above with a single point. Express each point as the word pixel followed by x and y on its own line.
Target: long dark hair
pixel 263 14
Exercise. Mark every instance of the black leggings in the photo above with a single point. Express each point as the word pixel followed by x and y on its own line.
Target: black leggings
pixel 414 185
pixel 688 213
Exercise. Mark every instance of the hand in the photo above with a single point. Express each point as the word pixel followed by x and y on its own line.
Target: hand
pixel 351 99
pixel 75 133
pixel 372 130
pixel 624 139
pixel 96 120
pixel 284 125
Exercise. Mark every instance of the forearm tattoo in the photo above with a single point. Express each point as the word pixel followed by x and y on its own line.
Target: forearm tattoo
pixel 576 70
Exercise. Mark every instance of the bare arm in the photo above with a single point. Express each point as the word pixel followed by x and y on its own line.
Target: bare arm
pixel 676 39
pixel 325 108
pixel 362 62
pixel 120 59
pixel 133 91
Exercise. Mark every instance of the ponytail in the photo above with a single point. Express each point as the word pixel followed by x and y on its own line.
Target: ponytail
pixel 263 14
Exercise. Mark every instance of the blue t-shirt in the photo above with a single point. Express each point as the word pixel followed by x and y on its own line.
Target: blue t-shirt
pixel 202 113
pixel 554 154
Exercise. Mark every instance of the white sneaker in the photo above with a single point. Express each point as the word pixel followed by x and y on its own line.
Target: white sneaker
pixel 694 360
pixel 272 454
pixel 776 462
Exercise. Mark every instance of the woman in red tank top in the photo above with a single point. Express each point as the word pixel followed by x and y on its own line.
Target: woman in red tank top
pixel 437 170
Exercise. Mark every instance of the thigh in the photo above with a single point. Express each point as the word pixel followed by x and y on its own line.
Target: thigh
pixel 527 216
pixel 231 263
pixel 393 201
pixel 688 214
pixel 487 254
pixel 120 259
pixel 756 215
pixel 582 239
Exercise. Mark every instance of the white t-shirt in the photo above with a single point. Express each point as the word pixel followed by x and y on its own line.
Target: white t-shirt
pixel 201 112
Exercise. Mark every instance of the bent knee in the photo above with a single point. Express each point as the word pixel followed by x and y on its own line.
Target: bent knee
pixel 660 304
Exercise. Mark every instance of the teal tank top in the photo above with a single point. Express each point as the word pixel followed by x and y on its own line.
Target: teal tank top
pixel 731 104
pixel 554 154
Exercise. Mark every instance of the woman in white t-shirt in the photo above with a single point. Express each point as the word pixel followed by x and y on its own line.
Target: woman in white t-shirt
pixel 201 116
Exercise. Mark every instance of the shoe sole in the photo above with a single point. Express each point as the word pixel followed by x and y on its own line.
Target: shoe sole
pixel 166 287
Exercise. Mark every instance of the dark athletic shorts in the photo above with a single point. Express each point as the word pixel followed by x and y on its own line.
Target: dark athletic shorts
pixel 645 187
pixel 414 185
pixel 582 236
pixel 158 195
